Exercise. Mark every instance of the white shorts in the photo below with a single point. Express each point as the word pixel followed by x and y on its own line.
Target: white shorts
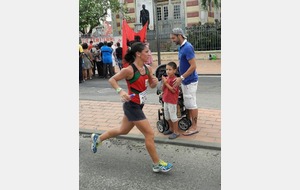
pixel 170 111
pixel 189 95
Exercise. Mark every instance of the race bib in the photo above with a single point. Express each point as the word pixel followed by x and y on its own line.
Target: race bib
pixel 143 97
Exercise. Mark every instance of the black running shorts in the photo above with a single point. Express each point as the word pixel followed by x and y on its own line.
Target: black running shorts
pixel 134 111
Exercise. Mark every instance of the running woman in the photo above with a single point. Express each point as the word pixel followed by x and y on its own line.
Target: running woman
pixel 138 77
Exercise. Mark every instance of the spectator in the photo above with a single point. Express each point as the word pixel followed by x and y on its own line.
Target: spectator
pixel 106 53
pixel 97 60
pixel 93 51
pixel 114 58
pixel 188 77
pixel 119 55
pixel 87 62
pixel 100 63
pixel 90 45
pixel 170 99
pixel 80 64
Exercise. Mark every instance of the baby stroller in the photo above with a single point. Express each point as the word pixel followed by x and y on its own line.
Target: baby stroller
pixel 162 125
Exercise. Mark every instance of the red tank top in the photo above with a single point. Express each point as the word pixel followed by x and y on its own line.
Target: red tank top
pixel 138 85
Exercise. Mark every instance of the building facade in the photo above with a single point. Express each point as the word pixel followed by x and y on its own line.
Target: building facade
pixel 170 13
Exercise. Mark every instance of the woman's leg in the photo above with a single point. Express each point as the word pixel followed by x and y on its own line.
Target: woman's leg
pixel 84 74
pixel 145 128
pixel 124 129
pixel 90 72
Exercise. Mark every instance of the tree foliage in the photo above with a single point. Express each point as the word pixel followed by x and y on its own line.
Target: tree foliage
pixel 90 11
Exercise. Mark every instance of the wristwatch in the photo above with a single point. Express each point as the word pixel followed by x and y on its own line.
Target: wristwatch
pixel 182 78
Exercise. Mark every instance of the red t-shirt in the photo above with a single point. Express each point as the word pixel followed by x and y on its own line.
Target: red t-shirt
pixel 168 96
pixel 90 46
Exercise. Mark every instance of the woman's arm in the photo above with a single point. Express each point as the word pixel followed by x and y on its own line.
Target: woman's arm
pixel 125 73
pixel 152 79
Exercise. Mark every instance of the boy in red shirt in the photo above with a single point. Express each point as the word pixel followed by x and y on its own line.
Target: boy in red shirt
pixel 170 99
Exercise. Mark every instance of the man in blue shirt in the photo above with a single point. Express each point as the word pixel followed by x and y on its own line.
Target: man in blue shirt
pixel 188 76
pixel 106 53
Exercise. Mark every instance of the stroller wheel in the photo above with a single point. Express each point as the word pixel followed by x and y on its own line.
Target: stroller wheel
pixel 162 126
pixel 184 123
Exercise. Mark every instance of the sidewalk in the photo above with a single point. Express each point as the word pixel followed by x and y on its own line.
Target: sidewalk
pixel 99 116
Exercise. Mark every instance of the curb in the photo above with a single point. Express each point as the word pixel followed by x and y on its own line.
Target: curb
pixel 180 142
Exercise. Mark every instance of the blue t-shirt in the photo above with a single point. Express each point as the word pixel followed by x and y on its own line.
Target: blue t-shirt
pixel 106 54
pixel 186 53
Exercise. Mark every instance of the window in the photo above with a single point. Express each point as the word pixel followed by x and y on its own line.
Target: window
pixel 166 13
pixel 158 9
pixel 176 11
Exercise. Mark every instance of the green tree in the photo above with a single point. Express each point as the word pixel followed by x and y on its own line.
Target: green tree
pixel 90 11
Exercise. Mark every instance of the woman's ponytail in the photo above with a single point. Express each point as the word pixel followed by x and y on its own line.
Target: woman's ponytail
pixel 135 47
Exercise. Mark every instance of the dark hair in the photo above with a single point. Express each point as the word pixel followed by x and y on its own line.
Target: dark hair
pixel 118 44
pixel 129 43
pixel 100 44
pixel 109 44
pixel 172 64
pixel 91 42
pixel 85 46
pixel 135 47
pixel 137 38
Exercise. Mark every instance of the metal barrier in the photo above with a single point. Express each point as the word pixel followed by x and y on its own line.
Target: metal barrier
pixel 205 37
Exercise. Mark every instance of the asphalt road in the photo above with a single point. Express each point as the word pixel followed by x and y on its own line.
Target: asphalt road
pixel 123 164
pixel 208 93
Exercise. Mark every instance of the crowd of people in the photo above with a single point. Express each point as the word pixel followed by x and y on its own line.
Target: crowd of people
pixel 99 60
pixel 102 57
pixel 139 76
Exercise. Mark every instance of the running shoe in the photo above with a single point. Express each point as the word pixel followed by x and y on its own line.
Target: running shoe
pixel 162 166
pixel 95 142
